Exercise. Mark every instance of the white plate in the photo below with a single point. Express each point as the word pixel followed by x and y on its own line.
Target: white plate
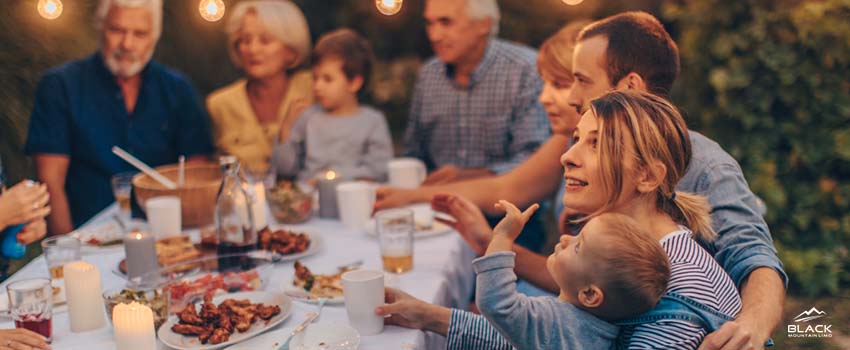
pixel 316 245
pixel 271 340
pixel 331 335
pixel 437 229
pixel 299 294
pixel 178 341
pixel 108 231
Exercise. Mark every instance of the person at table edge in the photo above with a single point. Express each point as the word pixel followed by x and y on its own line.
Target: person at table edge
pixel 117 96
pixel 474 110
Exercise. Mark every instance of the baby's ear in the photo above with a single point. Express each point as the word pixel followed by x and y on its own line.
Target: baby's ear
pixel 591 296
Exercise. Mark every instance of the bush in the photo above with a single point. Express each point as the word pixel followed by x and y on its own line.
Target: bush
pixel 768 79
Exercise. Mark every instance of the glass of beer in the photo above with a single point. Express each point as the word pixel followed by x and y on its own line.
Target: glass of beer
pixel 122 185
pixel 31 305
pixel 395 232
pixel 58 251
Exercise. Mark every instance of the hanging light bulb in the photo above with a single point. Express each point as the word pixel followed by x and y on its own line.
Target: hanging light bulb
pixel 572 2
pixel 388 7
pixel 50 9
pixel 211 10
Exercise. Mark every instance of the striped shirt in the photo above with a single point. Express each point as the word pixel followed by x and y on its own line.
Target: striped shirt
pixel 694 273
pixel 495 122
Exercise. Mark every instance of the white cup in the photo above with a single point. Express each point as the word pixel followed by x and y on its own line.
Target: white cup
pixel 406 172
pixel 164 216
pixel 355 201
pixel 364 291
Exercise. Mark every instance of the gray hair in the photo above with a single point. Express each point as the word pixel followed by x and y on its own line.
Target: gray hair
pixel 155 7
pixel 483 9
pixel 282 18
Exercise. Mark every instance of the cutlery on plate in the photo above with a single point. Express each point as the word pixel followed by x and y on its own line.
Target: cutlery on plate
pixel 312 316
pixel 351 266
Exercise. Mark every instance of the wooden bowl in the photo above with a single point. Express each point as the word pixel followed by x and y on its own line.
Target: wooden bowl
pixel 197 196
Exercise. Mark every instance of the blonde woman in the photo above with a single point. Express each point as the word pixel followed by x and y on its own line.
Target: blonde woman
pixel 268 41
pixel 628 153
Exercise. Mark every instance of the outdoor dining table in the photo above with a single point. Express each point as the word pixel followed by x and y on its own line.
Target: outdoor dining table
pixel 442 274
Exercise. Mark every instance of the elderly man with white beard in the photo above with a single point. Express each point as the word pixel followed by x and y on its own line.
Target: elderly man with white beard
pixel 117 96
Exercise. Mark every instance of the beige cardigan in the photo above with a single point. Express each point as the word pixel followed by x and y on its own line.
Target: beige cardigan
pixel 236 130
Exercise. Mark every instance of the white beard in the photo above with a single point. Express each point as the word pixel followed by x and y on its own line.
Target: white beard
pixel 126 70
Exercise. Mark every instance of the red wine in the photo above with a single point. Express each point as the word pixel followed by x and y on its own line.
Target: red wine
pixel 240 262
pixel 37 324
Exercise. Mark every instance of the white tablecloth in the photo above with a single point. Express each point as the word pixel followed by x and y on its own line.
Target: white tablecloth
pixel 442 274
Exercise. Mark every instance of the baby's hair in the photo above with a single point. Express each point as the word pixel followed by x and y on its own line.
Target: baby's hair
pixel 633 269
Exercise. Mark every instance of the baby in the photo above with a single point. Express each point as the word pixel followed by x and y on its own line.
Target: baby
pixel 611 271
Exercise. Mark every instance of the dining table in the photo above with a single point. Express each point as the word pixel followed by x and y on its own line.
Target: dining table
pixel 442 274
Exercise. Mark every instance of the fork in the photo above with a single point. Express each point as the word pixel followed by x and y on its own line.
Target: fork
pixel 311 317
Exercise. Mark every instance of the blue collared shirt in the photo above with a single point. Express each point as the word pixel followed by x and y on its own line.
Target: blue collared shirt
pixel 495 122
pixel 79 111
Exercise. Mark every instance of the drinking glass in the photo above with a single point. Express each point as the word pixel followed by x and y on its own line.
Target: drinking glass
pixel 31 305
pixel 395 231
pixel 58 251
pixel 122 185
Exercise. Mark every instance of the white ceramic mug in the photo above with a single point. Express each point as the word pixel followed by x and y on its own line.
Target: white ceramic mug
pixel 355 200
pixel 164 216
pixel 364 291
pixel 407 172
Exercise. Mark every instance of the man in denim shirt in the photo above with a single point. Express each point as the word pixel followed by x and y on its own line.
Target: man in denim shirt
pixel 743 247
pixel 117 96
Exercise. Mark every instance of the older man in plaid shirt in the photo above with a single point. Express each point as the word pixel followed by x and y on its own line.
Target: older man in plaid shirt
pixel 474 111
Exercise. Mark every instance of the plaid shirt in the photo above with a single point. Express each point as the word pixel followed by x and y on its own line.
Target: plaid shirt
pixel 494 123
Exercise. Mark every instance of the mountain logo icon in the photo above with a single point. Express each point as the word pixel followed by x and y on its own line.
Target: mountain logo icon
pixel 811 314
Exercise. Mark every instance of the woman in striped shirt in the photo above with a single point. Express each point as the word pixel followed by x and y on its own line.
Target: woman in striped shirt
pixel 629 151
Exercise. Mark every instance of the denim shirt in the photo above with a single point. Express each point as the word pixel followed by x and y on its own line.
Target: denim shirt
pixel 743 241
pixel 673 306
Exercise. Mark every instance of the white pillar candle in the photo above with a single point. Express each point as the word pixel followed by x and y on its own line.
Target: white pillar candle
pixel 140 250
pixel 259 207
pixel 133 324
pixel 85 303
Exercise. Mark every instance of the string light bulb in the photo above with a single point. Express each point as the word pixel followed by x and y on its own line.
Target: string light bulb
pixel 49 9
pixel 388 7
pixel 211 10
pixel 572 2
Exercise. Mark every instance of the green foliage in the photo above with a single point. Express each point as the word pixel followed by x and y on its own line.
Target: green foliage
pixel 769 81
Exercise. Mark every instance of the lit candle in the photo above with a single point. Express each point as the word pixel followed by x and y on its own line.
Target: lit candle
pixel 85 303
pixel 259 207
pixel 327 195
pixel 133 324
pixel 140 250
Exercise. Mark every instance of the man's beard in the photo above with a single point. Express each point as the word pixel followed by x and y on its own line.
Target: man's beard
pixel 126 70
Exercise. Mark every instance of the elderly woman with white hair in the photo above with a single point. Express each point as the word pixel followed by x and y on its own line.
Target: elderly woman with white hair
pixel 117 96
pixel 268 41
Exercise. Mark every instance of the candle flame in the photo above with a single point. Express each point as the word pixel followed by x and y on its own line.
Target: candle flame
pixel 330 175
pixel 138 235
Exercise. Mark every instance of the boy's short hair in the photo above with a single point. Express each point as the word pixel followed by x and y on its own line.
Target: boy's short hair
pixel 637 42
pixel 353 50
pixel 633 270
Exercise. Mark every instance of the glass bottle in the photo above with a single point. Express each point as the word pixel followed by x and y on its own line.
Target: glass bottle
pixel 233 218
